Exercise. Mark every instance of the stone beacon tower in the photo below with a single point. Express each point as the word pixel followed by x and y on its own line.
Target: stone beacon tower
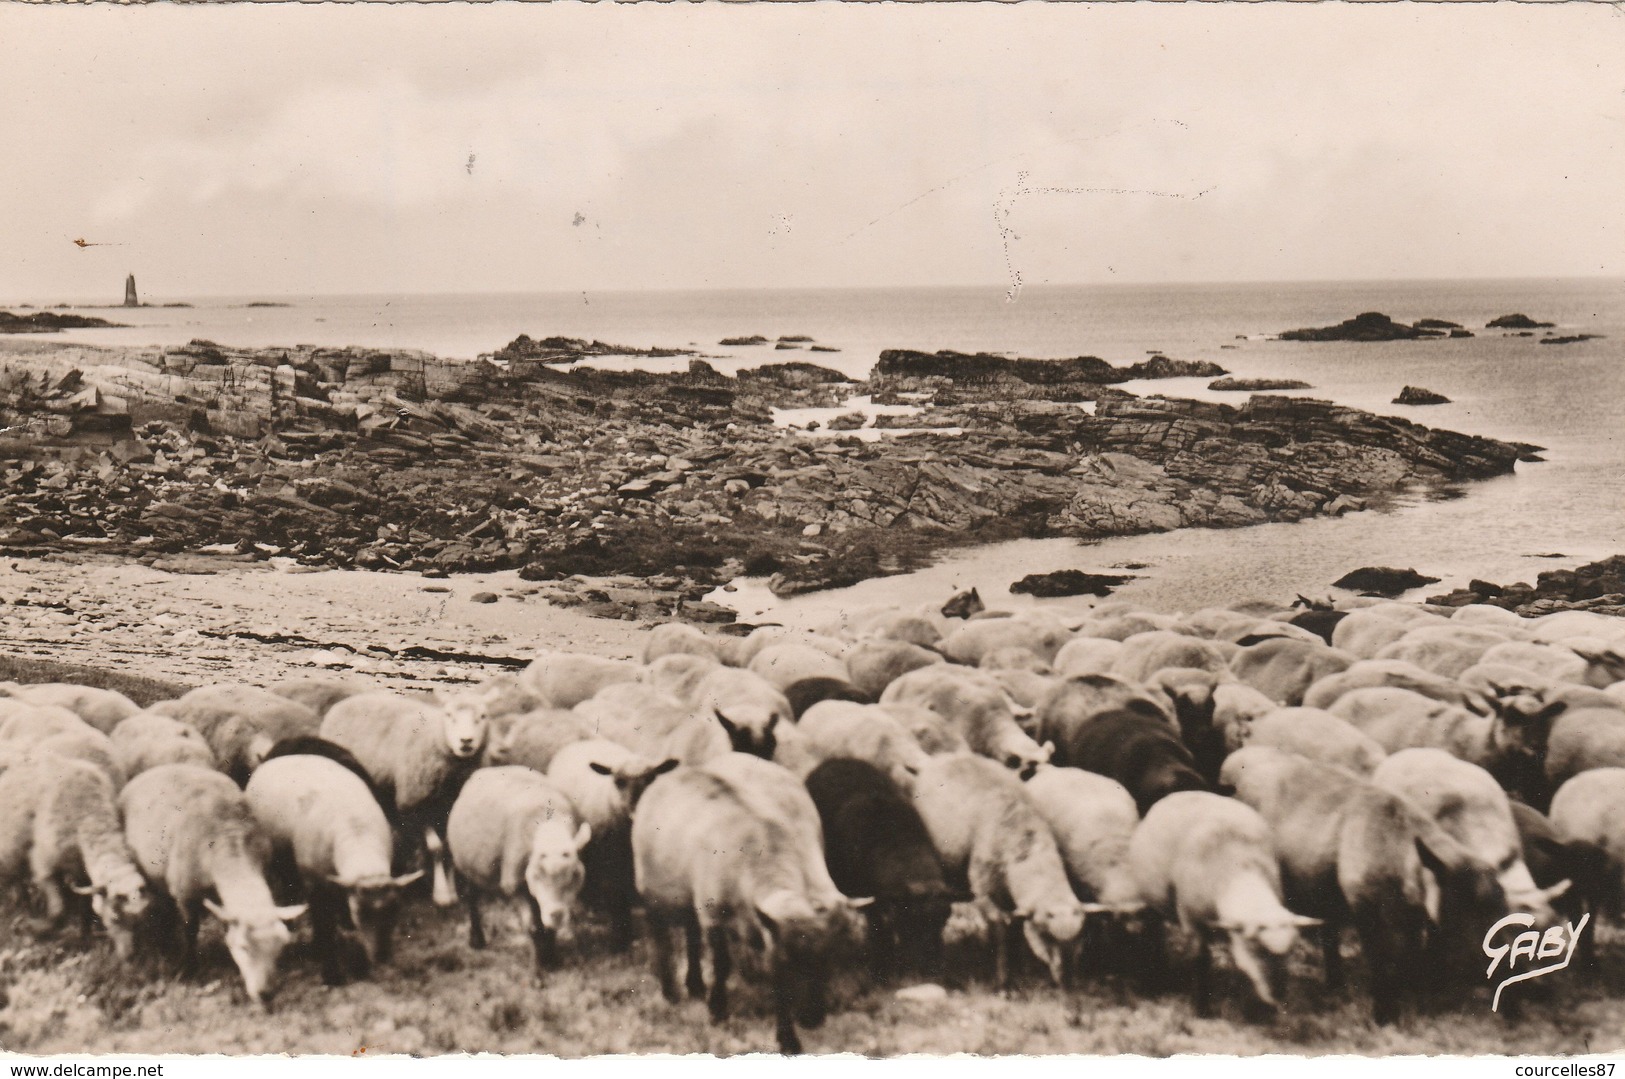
pixel 129 292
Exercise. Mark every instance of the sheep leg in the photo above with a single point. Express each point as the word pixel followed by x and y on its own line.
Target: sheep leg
pixel 660 927
pixel 384 935
pixel 721 966
pixel 191 918
pixel 445 895
pixel 1331 949
pixel 1377 948
pixel 784 1006
pixel 1154 946
pixel 476 928
pixel 324 935
pixel 882 958
pixel 544 941
pixel 695 980
pixel 1202 985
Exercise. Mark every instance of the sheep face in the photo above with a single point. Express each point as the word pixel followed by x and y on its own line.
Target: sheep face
pixel 374 904
pixel 632 782
pixel 120 904
pixel 1260 953
pixel 803 934
pixel 1052 933
pixel 1605 663
pixel 256 944
pixel 466 724
pixel 750 730
pixel 554 874
pixel 1025 761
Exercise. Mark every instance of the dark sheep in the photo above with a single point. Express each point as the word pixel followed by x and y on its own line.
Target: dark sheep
pixel 1320 622
pixel 1139 750
pixel 876 845
pixel 806 692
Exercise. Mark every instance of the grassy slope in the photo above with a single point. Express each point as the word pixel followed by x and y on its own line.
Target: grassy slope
pixel 440 997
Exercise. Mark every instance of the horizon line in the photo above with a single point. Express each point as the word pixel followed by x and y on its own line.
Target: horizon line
pixel 960 287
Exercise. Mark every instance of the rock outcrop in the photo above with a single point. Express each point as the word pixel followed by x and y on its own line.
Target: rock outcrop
pixel 1519 321
pixel 1254 385
pixel 1069 582
pixel 1368 326
pixel 1596 586
pixel 1416 395
pixel 399 459
pixel 49 322
pixel 1383 580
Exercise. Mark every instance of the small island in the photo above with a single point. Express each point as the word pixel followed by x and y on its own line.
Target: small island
pixel 1368 326
pixel 1257 384
pixel 1416 395
pixel 1518 321
pixel 51 322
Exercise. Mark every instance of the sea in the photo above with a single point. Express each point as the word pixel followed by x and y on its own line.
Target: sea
pixel 1570 399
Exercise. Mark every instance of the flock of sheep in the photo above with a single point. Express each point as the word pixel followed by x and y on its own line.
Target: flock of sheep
pixel 925 785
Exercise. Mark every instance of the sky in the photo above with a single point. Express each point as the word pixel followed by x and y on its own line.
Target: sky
pixel 292 149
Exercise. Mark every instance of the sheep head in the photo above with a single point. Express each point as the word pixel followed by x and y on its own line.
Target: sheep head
pixel 466 724
pixel 256 942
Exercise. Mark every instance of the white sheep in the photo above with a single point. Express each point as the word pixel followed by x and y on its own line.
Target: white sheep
pixel 678 638
pixel 1144 654
pixel 991 838
pixel 103 709
pixel 875 662
pixel 417 752
pixel 864 732
pixel 976 708
pixel 677 674
pixel 1471 807
pixel 148 739
pixel 1209 862
pixel 62 822
pixel 565 679
pixel 1092 818
pixel 1318 735
pixel 532 738
pixel 322 819
pixel 24 724
pixel 192 832
pixel 513 833
pixel 319 694
pixel 749 708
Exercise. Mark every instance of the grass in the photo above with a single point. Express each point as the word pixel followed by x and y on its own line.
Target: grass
pixel 442 997
pixel 140 689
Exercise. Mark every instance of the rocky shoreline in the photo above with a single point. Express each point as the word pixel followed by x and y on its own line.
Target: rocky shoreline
pixel 401 460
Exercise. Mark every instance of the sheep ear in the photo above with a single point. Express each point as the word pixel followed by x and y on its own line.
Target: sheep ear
pixel 1049 751
pixel 859 904
pixel 288 914
pixel 601 769
pixel 664 766
pixel 1097 908
pixel 727 724
pixel 216 909
pixel 1557 891
pixel 85 889
pixel 583 835
pixel 1430 861
pixel 401 882
pixel 1300 922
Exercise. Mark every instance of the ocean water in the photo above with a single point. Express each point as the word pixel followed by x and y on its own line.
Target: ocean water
pixel 1567 398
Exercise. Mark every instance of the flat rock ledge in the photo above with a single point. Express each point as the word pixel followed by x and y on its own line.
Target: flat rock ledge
pixel 401 460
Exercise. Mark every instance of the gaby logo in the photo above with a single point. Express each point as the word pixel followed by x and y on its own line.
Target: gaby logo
pixel 1529 948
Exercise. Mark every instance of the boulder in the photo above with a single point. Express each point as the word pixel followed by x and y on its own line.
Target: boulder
pixel 1069 582
pixel 1415 395
pixel 1519 321
pixel 1383 580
